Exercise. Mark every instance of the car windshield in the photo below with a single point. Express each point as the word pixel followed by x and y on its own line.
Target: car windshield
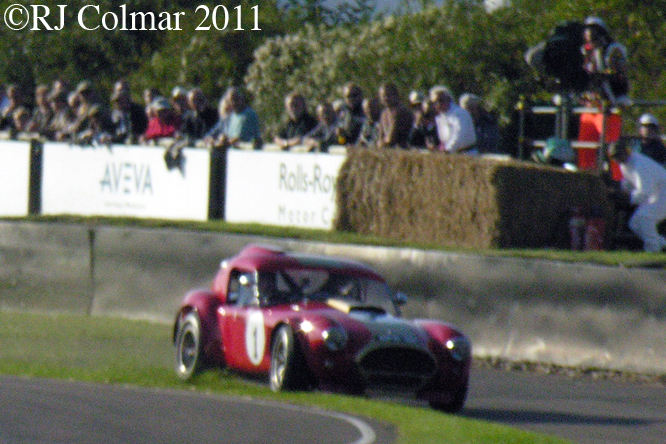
pixel 295 285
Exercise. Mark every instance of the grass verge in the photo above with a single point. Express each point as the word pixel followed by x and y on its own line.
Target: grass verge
pixel 106 350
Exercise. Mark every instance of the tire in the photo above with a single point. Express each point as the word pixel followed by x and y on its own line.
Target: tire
pixel 287 370
pixel 456 403
pixel 190 359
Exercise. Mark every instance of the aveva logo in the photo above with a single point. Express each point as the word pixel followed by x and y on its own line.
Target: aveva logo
pixel 127 178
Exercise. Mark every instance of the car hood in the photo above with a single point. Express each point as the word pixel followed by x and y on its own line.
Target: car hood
pixel 384 328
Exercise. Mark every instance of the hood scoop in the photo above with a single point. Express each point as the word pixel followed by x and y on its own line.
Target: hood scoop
pixel 350 308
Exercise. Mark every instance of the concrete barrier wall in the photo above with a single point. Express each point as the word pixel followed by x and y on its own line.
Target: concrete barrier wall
pixel 45 267
pixel 517 309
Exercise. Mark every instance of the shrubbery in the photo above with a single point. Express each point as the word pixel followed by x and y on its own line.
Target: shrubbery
pixel 459 44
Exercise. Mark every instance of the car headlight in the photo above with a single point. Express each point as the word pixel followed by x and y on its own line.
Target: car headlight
pixel 460 348
pixel 335 338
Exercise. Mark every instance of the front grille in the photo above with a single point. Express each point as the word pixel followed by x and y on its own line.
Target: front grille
pixel 397 363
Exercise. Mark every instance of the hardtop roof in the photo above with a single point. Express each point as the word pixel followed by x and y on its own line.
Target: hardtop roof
pixel 270 258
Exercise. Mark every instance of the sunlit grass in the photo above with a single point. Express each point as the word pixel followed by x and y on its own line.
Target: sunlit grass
pixel 107 350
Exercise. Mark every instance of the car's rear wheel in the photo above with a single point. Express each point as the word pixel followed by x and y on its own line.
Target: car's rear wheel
pixel 189 347
pixel 287 370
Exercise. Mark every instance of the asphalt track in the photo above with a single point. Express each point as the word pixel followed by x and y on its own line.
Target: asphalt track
pixel 38 411
pixel 583 410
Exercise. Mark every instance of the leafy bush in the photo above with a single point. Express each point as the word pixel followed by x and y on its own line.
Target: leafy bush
pixel 459 45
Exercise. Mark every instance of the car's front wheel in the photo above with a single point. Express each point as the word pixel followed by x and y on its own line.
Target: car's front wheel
pixel 286 372
pixel 189 347
pixel 456 404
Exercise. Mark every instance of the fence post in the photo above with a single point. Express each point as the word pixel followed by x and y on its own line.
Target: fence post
pixel 35 186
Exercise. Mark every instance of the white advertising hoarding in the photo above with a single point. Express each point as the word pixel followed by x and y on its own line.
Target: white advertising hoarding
pixel 282 188
pixel 124 180
pixel 14 178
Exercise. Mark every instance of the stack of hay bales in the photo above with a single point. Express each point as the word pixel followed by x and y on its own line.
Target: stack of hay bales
pixel 462 201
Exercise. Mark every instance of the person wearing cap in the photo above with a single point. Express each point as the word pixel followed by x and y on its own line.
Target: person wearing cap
pixel 649 142
pixel 645 182
pixel 606 61
pixel 455 127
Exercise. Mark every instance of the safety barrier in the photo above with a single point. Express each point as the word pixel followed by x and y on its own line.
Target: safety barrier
pixel 516 309
pixel 241 185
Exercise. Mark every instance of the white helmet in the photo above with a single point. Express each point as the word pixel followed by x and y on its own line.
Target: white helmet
pixel 648 119
pixel 596 21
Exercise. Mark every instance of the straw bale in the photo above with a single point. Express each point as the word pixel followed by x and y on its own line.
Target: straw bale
pixel 460 201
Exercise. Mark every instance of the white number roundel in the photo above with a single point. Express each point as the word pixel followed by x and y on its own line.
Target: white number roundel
pixel 255 337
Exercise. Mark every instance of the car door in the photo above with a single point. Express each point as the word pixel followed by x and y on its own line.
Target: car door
pixel 244 330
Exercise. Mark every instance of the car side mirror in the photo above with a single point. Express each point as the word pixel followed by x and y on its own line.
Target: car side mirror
pixel 399 299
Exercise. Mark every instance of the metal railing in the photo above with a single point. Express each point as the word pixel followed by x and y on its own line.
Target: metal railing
pixel 563 109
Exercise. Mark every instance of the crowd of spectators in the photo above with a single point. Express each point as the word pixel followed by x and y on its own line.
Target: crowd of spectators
pixel 385 119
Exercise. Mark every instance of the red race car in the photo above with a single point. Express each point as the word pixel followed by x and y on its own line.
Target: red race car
pixel 317 322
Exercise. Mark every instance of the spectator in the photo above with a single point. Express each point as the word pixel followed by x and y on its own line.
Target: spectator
pixel 396 120
pixel 15 101
pixel 416 99
pixel 62 116
pixel 179 100
pixel 4 100
pixel 99 128
pixel 42 113
pixel 485 124
pixel 645 182
pixel 424 133
pixel 243 120
pixel 129 119
pixel 299 122
pixel 325 133
pixel 82 100
pixel 606 62
pixel 649 142
pixel 372 108
pixel 199 118
pixel 216 136
pixel 455 127
pixel 20 122
pixel 60 86
pixel 352 116
pixel 149 95
pixel 165 122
